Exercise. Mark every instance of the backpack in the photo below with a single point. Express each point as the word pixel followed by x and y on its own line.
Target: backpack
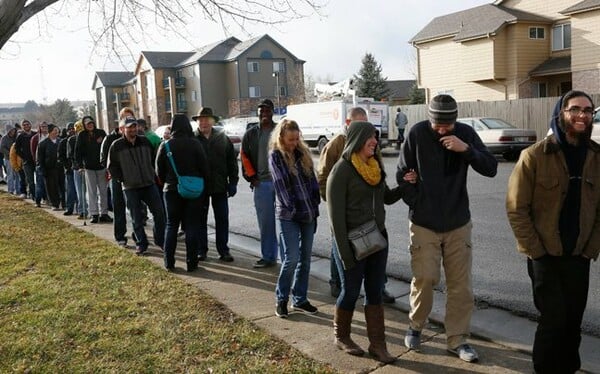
pixel 15 161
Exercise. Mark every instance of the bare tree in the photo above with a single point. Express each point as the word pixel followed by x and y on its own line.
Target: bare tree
pixel 116 24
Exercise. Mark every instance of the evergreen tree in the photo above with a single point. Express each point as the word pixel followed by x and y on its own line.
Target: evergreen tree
pixel 369 82
pixel 416 95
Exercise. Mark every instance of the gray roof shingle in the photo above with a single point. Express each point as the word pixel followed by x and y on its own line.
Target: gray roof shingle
pixel 114 78
pixel 165 60
pixel 399 88
pixel 585 5
pixel 473 23
pixel 553 65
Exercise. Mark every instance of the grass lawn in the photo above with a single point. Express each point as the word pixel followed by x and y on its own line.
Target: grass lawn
pixel 70 302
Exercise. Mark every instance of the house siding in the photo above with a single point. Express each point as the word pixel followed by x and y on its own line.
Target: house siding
pixel 545 8
pixel 585 35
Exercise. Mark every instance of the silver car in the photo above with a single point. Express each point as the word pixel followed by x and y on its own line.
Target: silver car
pixel 500 137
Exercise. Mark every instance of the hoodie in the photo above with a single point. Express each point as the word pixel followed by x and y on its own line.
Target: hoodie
pixel 87 148
pixel 351 201
pixel 187 153
pixel 575 155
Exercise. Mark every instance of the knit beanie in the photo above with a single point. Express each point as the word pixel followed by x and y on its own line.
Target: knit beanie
pixel 443 110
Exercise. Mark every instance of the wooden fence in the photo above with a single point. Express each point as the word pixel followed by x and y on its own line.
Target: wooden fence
pixel 523 113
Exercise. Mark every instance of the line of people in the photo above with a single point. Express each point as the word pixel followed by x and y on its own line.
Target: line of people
pixel 552 204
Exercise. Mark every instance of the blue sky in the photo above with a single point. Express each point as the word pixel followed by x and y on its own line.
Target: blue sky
pixel 56 61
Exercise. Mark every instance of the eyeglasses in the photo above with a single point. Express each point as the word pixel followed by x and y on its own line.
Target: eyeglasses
pixel 575 111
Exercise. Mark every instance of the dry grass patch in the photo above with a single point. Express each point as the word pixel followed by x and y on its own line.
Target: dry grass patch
pixel 75 303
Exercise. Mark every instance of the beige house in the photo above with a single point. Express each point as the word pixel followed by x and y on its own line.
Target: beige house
pixel 230 76
pixel 113 91
pixel 511 49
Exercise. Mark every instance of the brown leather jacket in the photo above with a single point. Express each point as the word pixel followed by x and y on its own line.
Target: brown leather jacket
pixel 536 191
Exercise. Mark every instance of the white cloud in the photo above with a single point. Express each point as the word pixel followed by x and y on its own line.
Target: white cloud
pixel 332 46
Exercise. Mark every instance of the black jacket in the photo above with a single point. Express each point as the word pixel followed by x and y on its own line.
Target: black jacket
pixel 106 143
pixel 132 163
pixel 188 155
pixel 87 149
pixel 222 162
pixel 23 146
pixel 442 201
pixel 63 159
pixel 47 156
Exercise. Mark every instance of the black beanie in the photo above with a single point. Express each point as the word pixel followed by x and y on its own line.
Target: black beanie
pixel 443 109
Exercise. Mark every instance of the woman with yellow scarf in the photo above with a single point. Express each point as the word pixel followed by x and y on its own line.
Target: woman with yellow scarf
pixel 356 193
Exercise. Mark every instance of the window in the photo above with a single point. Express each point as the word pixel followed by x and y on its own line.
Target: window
pixel 536 33
pixel 194 96
pixel 561 37
pixel 253 67
pixel 254 91
pixel 278 66
pixel 541 89
pixel 282 90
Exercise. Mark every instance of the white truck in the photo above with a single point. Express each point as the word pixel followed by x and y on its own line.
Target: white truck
pixel 321 121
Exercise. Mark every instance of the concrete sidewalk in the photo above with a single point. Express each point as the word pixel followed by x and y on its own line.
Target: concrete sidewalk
pixel 502 340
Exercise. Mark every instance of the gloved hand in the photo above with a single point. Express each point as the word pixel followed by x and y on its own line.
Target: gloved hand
pixel 231 190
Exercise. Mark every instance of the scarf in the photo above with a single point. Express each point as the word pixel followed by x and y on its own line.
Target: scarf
pixel 369 171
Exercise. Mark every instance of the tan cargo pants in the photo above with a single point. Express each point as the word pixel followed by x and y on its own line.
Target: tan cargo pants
pixel 429 250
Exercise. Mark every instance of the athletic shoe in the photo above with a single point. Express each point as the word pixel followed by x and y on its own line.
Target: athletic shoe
pixel 281 310
pixel 465 352
pixel 305 307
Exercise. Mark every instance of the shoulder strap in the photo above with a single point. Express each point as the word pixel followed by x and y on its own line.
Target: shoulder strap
pixel 170 157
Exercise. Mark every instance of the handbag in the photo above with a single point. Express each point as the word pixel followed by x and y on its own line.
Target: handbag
pixel 366 239
pixel 189 187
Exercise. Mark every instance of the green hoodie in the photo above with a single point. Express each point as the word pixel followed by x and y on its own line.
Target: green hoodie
pixel 350 200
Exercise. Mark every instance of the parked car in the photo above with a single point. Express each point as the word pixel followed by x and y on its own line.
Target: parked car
pixel 595 129
pixel 500 137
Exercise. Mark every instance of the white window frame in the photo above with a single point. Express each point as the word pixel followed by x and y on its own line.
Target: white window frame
pixel 536 35
pixel 561 39
pixel 254 91
pixel 253 67
pixel 278 66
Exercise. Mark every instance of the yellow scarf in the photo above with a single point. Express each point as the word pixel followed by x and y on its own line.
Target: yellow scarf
pixel 370 171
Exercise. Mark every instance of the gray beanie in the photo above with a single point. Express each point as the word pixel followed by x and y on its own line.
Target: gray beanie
pixel 443 109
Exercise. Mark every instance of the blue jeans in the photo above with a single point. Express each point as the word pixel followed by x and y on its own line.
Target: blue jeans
pixel 12 179
pixel 181 210
pixel 264 203
pixel 80 189
pixel 296 241
pixel 221 212
pixel 151 196
pixel 40 186
pixel 333 270
pixel 119 211
pixel 371 270
pixel 70 190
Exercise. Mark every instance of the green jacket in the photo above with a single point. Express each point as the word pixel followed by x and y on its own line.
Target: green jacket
pixel 536 191
pixel 350 200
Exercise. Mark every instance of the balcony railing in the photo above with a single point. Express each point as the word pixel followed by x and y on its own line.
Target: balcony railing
pixel 181 106
pixel 179 83
pixel 122 96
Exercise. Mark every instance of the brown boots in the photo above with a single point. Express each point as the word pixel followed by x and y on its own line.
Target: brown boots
pixel 376 334
pixel 342 319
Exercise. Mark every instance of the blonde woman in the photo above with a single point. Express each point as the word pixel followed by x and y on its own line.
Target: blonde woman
pixel 297 209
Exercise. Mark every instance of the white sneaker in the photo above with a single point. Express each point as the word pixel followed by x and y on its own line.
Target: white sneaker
pixel 23 196
pixel 465 352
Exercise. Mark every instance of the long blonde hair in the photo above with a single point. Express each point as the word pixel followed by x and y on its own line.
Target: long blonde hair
pixel 276 144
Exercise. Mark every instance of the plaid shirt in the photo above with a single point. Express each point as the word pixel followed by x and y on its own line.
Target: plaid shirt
pixel 297 195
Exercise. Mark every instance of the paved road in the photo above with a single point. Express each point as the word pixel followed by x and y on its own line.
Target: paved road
pixel 499 272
